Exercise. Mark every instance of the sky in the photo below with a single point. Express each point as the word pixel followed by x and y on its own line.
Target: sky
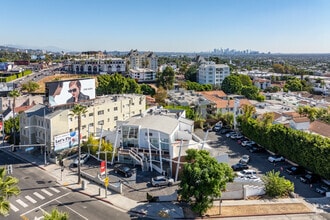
pixel 276 26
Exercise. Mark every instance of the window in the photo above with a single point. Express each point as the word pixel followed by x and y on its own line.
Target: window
pixel 100 122
pixel 90 114
pixel 115 108
pixel 91 124
pixel 100 112
pixel 115 118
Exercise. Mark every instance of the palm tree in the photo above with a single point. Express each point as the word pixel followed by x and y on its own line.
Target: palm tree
pixel 8 187
pixel 14 94
pixel 78 110
pixel 56 215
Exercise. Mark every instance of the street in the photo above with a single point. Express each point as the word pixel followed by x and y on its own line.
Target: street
pixel 40 193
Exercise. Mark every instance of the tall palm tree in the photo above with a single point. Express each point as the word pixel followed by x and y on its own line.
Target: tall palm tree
pixel 78 110
pixel 56 215
pixel 14 94
pixel 8 187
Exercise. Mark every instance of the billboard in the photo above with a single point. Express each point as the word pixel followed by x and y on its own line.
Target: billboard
pixel 70 91
pixel 65 141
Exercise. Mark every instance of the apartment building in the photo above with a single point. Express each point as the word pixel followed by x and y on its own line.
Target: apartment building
pixel 143 75
pixel 211 73
pixel 96 66
pixel 147 60
pixel 39 124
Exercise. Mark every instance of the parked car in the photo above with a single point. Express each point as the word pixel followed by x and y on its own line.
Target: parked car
pixel 162 181
pixel 217 126
pixel 295 170
pixel 236 136
pixel 239 167
pixel 240 140
pixel 310 178
pixel 225 131
pixel 275 158
pixel 247 173
pixel 245 159
pixel 256 149
pixel 123 170
pixel 231 133
pixel 245 143
pixel 322 189
pixel 83 159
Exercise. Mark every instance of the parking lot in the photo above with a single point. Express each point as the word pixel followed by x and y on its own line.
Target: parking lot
pixel 258 161
pixel 138 185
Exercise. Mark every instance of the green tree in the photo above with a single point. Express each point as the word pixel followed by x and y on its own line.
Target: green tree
pixel 250 92
pixel 245 79
pixel 191 73
pixel 293 85
pixel 147 90
pixel 248 111
pixel 78 111
pixel 277 186
pixel 232 85
pixel 203 179
pixel 56 215
pixel 278 68
pixel 8 188
pixel 166 78
pixel 30 86
pixel 132 86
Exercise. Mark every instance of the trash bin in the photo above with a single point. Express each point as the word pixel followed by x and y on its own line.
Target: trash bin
pixel 84 184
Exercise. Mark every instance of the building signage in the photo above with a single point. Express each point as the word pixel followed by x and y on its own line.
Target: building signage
pixel 65 141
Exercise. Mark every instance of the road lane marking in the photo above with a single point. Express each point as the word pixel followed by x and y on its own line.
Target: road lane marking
pixel 38 195
pixel 73 210
pixel 46 192
pixel 32 210
pixel 30 199
pixel 14 208
pixel 54 189
pixel 22 203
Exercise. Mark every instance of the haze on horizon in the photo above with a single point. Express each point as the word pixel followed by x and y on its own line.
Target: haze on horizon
pixel 276 26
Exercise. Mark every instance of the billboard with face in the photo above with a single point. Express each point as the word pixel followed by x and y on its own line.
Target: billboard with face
pixel 70 91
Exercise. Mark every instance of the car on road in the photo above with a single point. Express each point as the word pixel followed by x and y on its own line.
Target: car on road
pixel 83 159
pixel 245 159
pixel 162 181
pixel 246 143
pixel 123 170
pixel 275 158
pixel 239 167
pixel 247 173
pixel 295 170
pixel 310 178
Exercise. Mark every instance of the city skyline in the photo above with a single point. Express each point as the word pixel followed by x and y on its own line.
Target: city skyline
pixel 276 26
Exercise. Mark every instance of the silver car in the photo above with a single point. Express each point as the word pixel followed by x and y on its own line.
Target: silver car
pixel 162 181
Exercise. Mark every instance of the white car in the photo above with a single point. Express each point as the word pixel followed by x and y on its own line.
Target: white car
pixel 231 133
pixel 245 159
pixel 247 173
pixel 245 143
pixel 275 158
pixel 236 136
pixel 162 181
pixel 83 159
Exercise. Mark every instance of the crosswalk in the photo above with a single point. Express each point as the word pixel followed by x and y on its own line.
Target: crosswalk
pixel 28 200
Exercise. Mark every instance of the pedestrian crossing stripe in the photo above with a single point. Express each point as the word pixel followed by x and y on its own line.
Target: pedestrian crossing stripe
pixel 38 195
pixel 30 199
pixel 54 189
pixel 14 208
pixel 22 203
pixel 46 192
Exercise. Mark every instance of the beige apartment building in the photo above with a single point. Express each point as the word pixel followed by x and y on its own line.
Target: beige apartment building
pixel 40 124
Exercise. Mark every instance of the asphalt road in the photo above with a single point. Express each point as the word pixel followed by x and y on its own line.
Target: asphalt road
pixel 258 161
pixel 40 193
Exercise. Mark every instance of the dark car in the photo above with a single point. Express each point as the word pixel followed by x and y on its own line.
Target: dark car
pixel 256 149
pixel 239 167
pixel 322 189
pixel 295 170
pixel 123 170
pixel 310 178
pixel 225 131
